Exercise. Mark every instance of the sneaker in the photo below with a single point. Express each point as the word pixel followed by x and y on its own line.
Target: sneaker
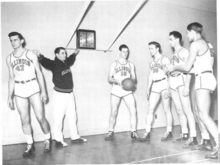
pixel 109 136
pixel 134 135
pixel 190 143
pixel 29 151
pixel 167 136
pixel 61 144
pixel 181 138
pixel 205 145
pixel 47 144
pixel 213 155
pixel 146 137
pixel 80 140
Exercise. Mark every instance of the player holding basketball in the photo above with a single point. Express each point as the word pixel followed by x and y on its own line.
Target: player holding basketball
pixel 158 87
pixel 120 70
pixel 205 83
pixel 63 97
pixel 25 77
pixel 179 84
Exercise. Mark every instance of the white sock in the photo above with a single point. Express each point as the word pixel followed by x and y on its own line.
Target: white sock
pixel 133 130
pixel 169 129
pixel 47 136
pixel 205 136
pixel 185 130
pixel 29 139
pixel 64 144
pixel 192 133
pixel 111 130
pixel 148 128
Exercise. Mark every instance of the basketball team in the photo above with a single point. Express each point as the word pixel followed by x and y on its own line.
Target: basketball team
pixel 169 79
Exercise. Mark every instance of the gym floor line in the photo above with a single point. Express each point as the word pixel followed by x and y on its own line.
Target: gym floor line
pixel 121 150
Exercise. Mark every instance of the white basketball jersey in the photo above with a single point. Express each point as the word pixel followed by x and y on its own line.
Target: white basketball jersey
pixel 203 62
pixel 157 69
pixel 122 71
pixel 23 68
pixel 179 58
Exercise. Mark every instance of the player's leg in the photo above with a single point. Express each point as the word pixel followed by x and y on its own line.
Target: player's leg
pixel 181 115
pixel 169 118
pixel 115 102
pixel 22 105
pixel 38 108
pixel 71 115
pixel 131 104
pixel 153 101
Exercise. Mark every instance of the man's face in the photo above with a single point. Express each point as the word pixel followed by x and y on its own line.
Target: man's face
pixel 153 50
pixel 61 55
pixel 124 53
pixel 16 42
pixel 190 35
pixel 172 41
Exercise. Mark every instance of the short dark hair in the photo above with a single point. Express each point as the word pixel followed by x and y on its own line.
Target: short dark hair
pixel 123 46
pixel 176 35
pixel 57 50
pixel 197 27
pixel 19 36
pixel 157 45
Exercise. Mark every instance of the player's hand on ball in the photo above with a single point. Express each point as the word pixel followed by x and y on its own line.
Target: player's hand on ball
pixel 44 98
pixel 11 104
pixel 186 92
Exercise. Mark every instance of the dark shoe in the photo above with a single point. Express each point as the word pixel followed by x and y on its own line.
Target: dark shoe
pixel 181 138
pixel 167 136
pixel 134 135
pixel 192 142
pixel 109 136
pixel 146 137
pixel 61 144
pixel 80 140
pixel 47 144
pixel 213 155
pixel 29 151
pixel 204 146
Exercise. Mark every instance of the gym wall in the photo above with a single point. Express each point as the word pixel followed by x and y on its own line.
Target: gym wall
pixel 47 25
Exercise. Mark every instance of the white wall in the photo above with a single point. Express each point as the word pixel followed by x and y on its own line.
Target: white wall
pixel 47 25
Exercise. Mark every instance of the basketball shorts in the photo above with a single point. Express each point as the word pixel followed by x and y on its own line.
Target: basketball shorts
pixel 26 90
pixel 118 91
pixel 205 81
pixel 159 86
pixel 175 82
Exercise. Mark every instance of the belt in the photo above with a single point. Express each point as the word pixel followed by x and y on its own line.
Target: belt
pixel 159 80
pixel 24 82
pixel 178 75
pixel 208 71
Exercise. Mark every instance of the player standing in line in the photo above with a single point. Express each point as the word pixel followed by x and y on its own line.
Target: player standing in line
pixel 120 70
pixel 158 87
pixel 25 77
pixel 179 84
pixel 205 83
pixel 63 96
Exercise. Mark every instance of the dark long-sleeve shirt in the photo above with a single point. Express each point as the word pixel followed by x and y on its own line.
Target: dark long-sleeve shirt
pixel 62 75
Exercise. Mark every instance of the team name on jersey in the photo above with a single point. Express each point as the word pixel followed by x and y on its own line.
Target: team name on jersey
pixel 157 65
pixel 176 59
pixel 66 71
pixel 20 62
pixel 122 68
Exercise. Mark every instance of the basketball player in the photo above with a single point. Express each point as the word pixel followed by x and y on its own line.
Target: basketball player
pixel 63 96
pixel 120 70
pixel 179 84
pixel 205 83
pixel 158 87
pixel 25 77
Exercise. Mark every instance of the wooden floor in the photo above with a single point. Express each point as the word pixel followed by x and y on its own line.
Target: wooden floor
pixel 122 150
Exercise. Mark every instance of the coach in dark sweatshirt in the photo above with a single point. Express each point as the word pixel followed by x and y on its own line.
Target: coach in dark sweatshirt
pixel 63 97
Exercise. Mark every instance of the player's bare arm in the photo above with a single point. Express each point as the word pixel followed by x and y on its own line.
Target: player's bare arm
pixel 11 84
pixel 111 80
pixel 133 73
pixel 166 63
pixel 34 59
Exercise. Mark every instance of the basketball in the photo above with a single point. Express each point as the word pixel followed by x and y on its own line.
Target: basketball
pixel 128 84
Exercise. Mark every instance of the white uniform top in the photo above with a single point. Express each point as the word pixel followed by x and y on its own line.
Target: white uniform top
pixel 122 71
pixel 22 66
pixel 203 62
pixel 157 69
pixel 179 58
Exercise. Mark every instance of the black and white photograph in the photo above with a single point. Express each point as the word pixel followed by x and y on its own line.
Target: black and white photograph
pixel 109 82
